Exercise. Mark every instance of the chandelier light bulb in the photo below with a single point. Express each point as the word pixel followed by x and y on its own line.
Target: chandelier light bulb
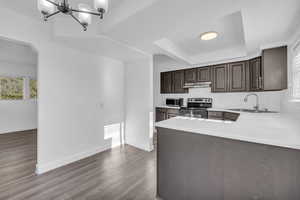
pixel 101 5
pixel 84 18
pixel 45 7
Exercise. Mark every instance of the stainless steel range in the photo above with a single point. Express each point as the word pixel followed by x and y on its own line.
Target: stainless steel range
pixel 196 107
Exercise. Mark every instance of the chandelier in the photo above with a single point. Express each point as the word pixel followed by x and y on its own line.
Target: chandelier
pixel 49 8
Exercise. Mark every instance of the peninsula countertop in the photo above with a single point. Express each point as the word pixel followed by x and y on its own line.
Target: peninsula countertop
pixel 168 107
pixel 282 130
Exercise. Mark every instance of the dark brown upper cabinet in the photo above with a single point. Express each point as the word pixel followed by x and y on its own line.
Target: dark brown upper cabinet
pixel 255 70
pixel 204 74
pixel 172 82
pixel 166 82
pixel 190 75
pixel 265 73
pixel 237 77
pixel 274 65
pixel 178 82
pixel 220 78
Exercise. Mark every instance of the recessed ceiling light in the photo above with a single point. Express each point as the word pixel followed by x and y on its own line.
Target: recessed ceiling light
pixel 209 35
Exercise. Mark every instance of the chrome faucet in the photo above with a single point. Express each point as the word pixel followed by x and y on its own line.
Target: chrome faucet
pixel 257 100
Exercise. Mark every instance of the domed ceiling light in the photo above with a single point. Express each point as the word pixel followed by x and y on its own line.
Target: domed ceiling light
pixel 49 8
pixel 209 35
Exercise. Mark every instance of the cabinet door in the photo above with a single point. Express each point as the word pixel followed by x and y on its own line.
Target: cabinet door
pixel 204 74
pixel 215 115
pixel 255 74
pixel 231 116
pixel 166 83
pixel 160 114
pixel 274 65
pixel 190 75
pixel 171 115
pixel 178 82
pixel 237 77
pixel 220 81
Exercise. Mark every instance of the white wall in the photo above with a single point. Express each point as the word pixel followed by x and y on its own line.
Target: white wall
pixel 270 100
pixel 139 104
pixel 79 95
pixel 74 104
pixel 17 115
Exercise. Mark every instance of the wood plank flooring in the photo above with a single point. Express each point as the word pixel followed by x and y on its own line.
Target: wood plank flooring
pixel 17 155
pixel 119 174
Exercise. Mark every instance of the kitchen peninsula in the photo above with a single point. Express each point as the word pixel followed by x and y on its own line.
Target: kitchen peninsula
pixel 255 157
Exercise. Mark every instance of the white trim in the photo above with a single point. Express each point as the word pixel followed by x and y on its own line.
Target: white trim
pixel 222 61
pixel 139 146
pixel 295 69
pixel 43 168
pixel 273 45
pixel 17 130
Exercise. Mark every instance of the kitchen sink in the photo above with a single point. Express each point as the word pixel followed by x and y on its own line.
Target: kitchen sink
pixel 252 110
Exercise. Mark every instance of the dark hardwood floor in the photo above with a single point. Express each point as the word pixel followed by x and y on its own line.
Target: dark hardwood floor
pixel 119 174
pixel 17 155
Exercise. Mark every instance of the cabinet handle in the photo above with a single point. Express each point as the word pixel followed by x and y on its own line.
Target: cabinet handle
pixel 257 83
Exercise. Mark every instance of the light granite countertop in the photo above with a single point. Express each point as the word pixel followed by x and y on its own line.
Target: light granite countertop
pixel 275 129
pixel 169 107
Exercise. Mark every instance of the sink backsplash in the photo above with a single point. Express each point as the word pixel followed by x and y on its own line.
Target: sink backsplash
pixel 270 100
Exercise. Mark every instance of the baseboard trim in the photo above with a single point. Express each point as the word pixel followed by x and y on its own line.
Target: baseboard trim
pixel 43 168
pixel 17 131
pixel 138 146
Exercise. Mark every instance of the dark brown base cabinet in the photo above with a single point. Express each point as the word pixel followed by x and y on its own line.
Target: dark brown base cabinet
pixel 220 115
pixel 165 113
pixel 265 73
pixel 160 114
pixel 200 167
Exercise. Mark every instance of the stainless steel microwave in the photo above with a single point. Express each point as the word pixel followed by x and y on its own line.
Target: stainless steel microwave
pixel 174 102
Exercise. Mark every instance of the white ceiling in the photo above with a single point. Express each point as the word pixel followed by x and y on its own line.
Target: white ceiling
pixel 172 27
pixel 230 31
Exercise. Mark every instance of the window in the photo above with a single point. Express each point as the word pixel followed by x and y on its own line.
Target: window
pixel 33 88
pixel 296 70
pixel 11 88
